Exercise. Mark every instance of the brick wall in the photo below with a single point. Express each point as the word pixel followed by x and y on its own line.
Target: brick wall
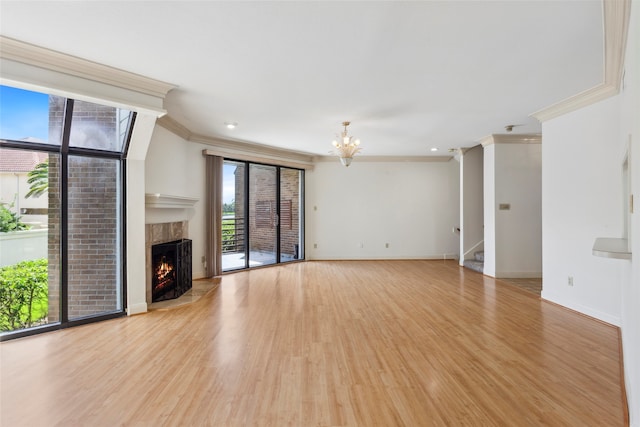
pixel 241 227
pixel 262 190
pixel 93 277
pixel 56 115
pixel 93 206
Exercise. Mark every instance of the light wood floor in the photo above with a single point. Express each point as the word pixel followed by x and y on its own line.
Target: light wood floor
pixel 388 343
pixel 531 285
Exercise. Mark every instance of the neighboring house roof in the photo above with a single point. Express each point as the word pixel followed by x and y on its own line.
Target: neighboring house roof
pixel 20 160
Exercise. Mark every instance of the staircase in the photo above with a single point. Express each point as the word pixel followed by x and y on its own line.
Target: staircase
pixel 477 263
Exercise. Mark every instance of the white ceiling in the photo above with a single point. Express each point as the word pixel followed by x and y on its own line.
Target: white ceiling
pixel 408 75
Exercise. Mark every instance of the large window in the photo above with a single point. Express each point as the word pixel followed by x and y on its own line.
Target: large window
pixel 262 215
pixel 61 210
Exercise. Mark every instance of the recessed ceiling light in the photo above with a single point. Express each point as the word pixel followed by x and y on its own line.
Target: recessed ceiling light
pixel 231 125
pixel 434 149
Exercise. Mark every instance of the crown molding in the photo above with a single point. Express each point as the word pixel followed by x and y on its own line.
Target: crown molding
pixel 231 147
pixel 616 15
pixel 173 126
pixel 387 159
pixel 523 138
pixel 40 57
pixel 240 150
pixel 257 157
pixel 247 151
pixel 464 150
pixel 582 99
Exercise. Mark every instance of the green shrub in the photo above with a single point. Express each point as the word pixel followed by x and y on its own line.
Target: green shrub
pixel 10 221
pixel 23 294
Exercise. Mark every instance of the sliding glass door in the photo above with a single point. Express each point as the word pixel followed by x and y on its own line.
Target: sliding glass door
pixel 234 233
pixel 290 217
pixel 262 215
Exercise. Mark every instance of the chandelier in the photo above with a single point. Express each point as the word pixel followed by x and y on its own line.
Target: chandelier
pixel 346 146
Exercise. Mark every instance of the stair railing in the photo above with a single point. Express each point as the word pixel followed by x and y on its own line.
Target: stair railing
pixel 473 249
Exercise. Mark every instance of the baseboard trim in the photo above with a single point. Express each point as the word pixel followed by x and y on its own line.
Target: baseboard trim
pixel 519 275
pixel 383 258
pixel 582 309
pixel 137 309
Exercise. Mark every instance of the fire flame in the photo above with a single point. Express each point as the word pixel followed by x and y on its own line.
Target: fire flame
pixel 164 272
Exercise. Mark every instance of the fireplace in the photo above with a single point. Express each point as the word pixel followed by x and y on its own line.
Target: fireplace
pixel 170 269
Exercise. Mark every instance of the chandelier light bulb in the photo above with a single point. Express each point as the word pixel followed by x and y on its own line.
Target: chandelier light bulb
pixel 347 147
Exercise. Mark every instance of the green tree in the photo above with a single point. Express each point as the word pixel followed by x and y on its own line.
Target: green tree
pixel 38 180
pixel 229 208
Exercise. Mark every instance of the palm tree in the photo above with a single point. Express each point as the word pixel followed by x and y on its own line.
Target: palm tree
pixel 38 180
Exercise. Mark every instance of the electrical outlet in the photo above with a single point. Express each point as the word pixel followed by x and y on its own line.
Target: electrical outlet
pixel 315 246
pixel 570 281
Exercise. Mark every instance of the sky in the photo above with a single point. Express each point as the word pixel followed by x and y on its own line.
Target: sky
pixel 23 114
pixel 228 183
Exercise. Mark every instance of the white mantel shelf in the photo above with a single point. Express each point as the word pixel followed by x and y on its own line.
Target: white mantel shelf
pixel 164 201
pixel 611 247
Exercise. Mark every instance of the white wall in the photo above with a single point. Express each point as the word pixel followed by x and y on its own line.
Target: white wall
pixel 26 245
pixel 176 167
pixel 136 265
pixel 412 206
pixel 582 200
pixel 630 133
pixel 471 202
pixel 489 183
pixel 513 236
pixel 518 176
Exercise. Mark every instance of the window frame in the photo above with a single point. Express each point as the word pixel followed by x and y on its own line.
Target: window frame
pixel 65 151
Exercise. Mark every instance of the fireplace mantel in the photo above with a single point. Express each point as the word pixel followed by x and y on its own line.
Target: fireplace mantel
pixel 165 201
